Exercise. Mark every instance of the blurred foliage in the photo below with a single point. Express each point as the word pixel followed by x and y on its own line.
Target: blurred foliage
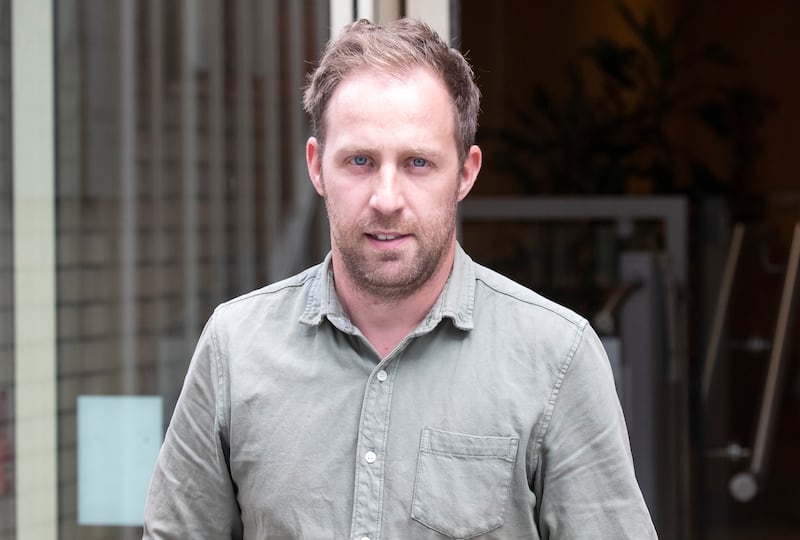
pixel 625 137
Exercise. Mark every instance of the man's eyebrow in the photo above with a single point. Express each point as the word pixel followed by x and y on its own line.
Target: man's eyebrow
pixel 353 149
pixel 416 150
pixel 424 150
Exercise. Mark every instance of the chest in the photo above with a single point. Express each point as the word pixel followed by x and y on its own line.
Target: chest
pixel 336 442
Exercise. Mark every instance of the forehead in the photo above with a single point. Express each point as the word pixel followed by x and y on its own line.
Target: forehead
pixel 416 98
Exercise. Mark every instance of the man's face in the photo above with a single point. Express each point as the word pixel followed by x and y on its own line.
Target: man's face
pixel 391 179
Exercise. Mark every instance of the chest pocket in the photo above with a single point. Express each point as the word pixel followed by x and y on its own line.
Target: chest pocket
pixel 463 482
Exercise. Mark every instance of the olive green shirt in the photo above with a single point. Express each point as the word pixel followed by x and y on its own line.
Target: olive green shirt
pixel 496 417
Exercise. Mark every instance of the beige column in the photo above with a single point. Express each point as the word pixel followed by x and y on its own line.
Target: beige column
pixel 434 12
pixel 33 142
pixel 343 12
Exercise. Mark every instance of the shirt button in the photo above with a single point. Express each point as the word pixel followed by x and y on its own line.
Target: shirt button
pixel 382 375
pixel 370 457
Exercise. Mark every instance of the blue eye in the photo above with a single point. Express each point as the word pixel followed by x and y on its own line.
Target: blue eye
pixel 419 162
pixel 360 161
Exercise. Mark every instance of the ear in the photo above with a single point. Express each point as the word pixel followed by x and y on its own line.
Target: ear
pixel 469 171
pixel 314 164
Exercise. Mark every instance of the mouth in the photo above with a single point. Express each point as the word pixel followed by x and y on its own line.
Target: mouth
pixel 385 237
pixel 387 241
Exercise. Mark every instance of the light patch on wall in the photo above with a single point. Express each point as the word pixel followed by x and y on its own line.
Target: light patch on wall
pixel 118 442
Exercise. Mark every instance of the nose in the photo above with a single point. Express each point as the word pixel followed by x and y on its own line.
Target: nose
pixel 387 194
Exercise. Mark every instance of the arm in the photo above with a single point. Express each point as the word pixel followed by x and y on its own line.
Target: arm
pixel 191 493
pixel 586 484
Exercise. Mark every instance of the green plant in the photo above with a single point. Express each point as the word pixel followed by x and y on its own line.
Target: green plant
pixel 629 129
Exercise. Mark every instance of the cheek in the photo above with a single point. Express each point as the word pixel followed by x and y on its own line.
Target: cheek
pixel 342 206
pixel 444 198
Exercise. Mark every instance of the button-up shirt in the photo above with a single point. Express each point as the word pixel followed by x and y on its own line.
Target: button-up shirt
pixel 496 417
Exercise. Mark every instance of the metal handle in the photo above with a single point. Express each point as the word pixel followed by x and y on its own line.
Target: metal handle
pixel 604 319
pixel 744 486
pixel 721 311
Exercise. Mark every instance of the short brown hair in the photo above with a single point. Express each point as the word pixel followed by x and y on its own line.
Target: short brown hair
pixel 395 48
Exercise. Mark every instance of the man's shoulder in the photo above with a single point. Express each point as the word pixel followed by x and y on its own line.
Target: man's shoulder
pixel 519 299
pixel 277 293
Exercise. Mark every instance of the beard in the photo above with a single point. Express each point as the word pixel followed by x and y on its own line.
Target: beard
pixel 397 273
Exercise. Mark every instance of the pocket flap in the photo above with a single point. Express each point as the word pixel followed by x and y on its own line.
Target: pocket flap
pixel 437 441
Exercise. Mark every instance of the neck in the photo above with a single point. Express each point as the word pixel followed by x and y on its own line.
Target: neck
pixel 385 322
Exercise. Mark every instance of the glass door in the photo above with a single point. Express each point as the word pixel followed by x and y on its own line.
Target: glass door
pixel 181 184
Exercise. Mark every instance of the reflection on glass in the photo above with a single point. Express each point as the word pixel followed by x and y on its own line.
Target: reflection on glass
pixel 179 186
pixel 575 262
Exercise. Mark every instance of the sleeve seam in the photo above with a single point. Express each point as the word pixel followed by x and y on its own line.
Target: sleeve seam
pixel 577 339
pixel 220 402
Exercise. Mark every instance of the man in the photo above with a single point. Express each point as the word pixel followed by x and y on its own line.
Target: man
pixel 398 390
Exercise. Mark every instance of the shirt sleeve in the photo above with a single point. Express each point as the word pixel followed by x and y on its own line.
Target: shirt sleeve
pixel 191 493
pixel 586 484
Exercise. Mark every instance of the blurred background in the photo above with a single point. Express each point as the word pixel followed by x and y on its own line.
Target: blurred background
pixel 638 167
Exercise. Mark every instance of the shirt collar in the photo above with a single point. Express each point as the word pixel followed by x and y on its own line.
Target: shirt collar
pixel 455 302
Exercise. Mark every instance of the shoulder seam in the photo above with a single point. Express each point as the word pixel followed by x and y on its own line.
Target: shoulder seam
pixel 576 320
pixel 270 289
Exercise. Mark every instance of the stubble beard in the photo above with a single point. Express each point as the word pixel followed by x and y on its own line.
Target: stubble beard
pixel 396 274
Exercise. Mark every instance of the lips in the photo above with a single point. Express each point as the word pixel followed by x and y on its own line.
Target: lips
pixel 384 241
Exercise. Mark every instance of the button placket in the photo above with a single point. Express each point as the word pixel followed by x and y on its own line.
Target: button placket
pixel 373 432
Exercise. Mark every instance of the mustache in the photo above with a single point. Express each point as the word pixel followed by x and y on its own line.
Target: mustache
pixel 384 223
